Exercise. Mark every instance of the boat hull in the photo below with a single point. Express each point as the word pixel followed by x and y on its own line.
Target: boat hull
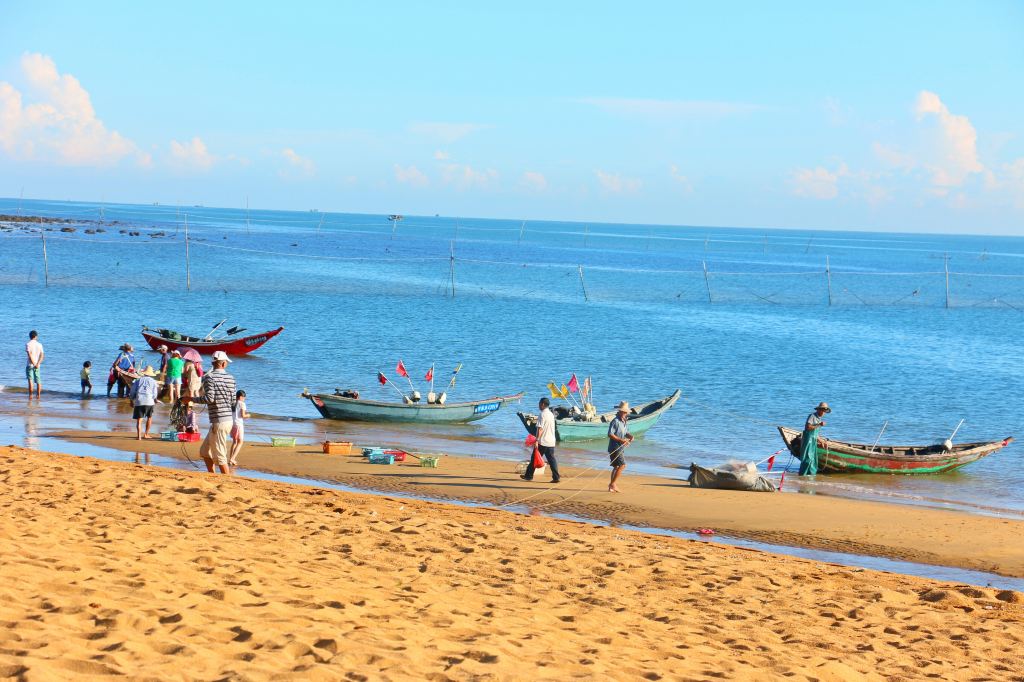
pixel 243 345
pixel 354 409
pixel 570 431
pixel 837 457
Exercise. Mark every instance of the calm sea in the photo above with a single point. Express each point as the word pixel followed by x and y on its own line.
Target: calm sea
pixel 782 320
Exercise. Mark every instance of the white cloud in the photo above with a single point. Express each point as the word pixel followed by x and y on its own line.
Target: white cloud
pixel 61 126
pixel 466 177
pixel 817 183
pixel 411 176
pixel 617 184
pixel 666 108
pixel 446 133
pixel 192 154
pixel 534 181
pixel 296 164
pixel 1013 180
pixel 893 157
pixel 441 155
pixel 680 179
pixel 958 143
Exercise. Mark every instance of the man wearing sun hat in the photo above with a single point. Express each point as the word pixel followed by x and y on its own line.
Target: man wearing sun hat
pixel 809 451
pixel 619 438
pixel 219 395
pixel 143 394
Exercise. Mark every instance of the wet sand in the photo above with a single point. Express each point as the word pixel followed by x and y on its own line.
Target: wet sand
pixel 916 534
pixel 112 568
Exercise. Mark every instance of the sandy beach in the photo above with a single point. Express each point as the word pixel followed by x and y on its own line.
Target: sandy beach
pixel 917 534
pixel 113 568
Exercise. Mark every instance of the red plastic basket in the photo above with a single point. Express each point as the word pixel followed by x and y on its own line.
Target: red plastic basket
pixel 187 437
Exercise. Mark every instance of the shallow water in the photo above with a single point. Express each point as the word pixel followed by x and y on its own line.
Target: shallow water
pixel 356 293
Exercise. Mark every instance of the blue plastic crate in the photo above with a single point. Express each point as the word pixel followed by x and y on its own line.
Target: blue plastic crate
pixel 381 458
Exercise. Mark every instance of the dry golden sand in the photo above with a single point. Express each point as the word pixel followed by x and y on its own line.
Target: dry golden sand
pixel 112 568
pixel 904 532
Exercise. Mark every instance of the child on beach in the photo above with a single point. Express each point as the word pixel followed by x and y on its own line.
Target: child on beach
pixel 191 420
pixel 86 382
pixel 238 417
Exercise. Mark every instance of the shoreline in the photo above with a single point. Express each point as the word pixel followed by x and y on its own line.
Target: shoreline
pixel 116 568
pixel 907 533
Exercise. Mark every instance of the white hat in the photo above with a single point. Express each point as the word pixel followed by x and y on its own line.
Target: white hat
pixel 221 356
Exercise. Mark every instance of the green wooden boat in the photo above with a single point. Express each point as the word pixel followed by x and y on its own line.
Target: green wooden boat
pixel 838 457
pixel 568 429
pixel 356 409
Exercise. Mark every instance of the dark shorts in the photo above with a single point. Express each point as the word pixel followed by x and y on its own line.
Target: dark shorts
pixel 86 383
pixel 142 411
pixel 617 459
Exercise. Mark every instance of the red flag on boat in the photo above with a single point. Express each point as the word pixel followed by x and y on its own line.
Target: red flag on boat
pixel 771 462
pixel 430 374
pixel 381 378
pixel 574 385
pixel 401 370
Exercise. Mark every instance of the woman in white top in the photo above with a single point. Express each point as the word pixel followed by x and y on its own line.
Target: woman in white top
pixel 238 417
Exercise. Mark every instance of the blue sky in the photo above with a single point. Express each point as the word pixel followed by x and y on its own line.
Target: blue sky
pixel 887 116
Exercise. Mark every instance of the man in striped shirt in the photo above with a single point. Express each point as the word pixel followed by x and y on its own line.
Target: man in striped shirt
pixel 219 395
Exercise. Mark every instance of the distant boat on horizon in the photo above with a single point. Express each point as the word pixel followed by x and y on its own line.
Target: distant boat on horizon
pixel 396 217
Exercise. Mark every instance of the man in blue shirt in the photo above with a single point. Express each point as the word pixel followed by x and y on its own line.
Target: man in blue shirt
pixel 143 394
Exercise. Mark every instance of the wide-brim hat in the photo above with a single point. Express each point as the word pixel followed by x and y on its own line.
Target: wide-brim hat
pixel 622 407
pixel 149 371
pixel 823 406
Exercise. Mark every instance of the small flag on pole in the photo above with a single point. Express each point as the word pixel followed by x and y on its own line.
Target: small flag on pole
pixel 574 385
pixel 563 392
pixel 381 378
pixel 554 390
pixel 771 462
pixel 430 374
pixel 401 370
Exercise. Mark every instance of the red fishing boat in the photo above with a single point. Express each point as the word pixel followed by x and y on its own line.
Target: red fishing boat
pixel 231 343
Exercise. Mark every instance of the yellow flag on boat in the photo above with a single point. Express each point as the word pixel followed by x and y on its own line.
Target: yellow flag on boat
pixel 554 390
pixel 563 392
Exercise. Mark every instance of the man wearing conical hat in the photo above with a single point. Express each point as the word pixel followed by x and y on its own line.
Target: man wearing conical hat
pixel 809 451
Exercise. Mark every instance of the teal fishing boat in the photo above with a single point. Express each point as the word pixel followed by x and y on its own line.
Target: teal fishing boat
pixel 334 406
pixel 570 428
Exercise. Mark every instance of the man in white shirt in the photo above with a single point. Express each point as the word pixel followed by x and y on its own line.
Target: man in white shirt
pixel 545 441
pixel 34 353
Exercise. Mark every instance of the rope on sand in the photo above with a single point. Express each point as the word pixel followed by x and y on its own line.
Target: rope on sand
pixel 551 488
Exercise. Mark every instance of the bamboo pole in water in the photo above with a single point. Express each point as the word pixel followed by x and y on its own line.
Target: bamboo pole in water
pixel 583 285
pixel 707 282
pixel 451 265
pixel 188 265
pixel 828 278
pixel 945 261
pixel 46 264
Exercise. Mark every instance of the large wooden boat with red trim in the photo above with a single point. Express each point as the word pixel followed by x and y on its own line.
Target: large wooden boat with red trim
pixel 231 343
pixel 838 457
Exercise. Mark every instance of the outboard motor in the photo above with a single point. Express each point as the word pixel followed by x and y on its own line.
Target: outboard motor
pixel 415 396
pixel 431 398
pixel 441 398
